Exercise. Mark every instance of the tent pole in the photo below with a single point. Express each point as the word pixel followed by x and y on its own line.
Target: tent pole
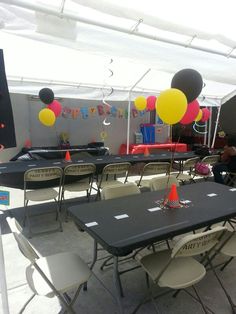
pixel 217 121
pixel 129 106
pixel 209 129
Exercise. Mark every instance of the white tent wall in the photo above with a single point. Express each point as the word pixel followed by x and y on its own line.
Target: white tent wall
pixel 81 131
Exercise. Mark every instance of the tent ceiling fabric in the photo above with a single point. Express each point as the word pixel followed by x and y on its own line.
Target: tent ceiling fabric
pixel 60 43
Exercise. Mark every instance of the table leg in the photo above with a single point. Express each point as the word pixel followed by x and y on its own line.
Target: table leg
pixel 95 254
pixel 117 283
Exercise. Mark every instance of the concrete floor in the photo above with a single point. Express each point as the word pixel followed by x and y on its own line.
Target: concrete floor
pixel 96 300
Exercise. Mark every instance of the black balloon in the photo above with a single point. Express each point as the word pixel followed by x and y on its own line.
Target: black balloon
pixel 46 95
pixel 189 81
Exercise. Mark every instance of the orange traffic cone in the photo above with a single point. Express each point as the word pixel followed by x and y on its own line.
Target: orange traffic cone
pixel 146 152
pixel 67 156
pixel 173 198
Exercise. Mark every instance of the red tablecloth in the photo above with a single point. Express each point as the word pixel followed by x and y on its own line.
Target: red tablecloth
pixel 140 148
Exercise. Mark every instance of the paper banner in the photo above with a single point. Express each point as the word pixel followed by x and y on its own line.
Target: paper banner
pixel 100 110
pixel 120 112
pixel 92 111
pixel 75 113
pixel 113 112
pixel 84 112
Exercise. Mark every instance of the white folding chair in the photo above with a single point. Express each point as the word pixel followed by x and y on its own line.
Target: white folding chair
pixel 161 183
pixel 115 191
pixel 150 169
pixel 42 176
pixel 110 173
pixel 177 268
pixel 187 170
pixel 53 275
pixel 84 174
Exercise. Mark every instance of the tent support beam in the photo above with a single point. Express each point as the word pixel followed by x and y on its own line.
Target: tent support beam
pixel 129 106
pixel 51 11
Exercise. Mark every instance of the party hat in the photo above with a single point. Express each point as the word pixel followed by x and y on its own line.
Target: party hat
pixel 146 152
pixel 67 156
pixel 173 198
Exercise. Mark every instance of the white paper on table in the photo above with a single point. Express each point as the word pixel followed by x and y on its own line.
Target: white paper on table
pixel 232 189
pixel 121 216
pixel 154 209
pixel 91 224
pixel 212 194
pixel 185 201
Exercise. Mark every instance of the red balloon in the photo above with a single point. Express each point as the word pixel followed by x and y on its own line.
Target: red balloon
pixel 205 114
pixel 191 113
pixel 56 107
pixel 151 103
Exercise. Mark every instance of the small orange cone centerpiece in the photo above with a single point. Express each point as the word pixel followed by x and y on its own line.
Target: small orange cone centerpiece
pixel 146 152
pixel 173 198
pixel 67 157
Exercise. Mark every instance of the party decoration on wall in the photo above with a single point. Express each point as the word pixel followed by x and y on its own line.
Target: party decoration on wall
pixel 56 107
pixel 47 117
pixel 171 106
pixel 105 123
pixel 151 103
pixel 75 113
pixel 189 81
pixel 191 112
pixel 100 110
pixel 120 112
pixel 46 95
pixel 113 112
pixel 205 114
pixel 103 135
pixel 134 112
pixel 140 103
pixel 84 112
pixel 199 116
pixel 92 111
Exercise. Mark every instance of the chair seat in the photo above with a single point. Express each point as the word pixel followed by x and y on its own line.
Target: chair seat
pixel 41 194
pixel 77 186
pixel 66 271
pixel 183 272
pixel 229 248
pixel 110 182
pixel 184 177
pixel 144 183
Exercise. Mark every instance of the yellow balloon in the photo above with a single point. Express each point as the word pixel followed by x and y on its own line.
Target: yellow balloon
pixel 47 117
pixel 199 116
pixel 140 103
pixel 171 105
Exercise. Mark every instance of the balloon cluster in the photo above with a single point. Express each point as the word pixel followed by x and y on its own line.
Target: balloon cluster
pixel 48 115
pixel 178 103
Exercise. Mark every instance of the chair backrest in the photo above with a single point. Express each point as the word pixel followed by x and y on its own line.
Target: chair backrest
pixel 190 163
pixel 199 243
pixel 43 174
pixel 211 160
pixel 77 170
pixel 116 168
pixel 163 182
pixel 23 244
pixel 115 191
pixel 156 168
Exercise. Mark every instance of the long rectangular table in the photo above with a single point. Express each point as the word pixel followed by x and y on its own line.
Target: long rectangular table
pixel 12 173
pixel 143 223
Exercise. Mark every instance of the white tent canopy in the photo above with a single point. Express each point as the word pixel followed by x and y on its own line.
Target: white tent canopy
pixel 98 49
